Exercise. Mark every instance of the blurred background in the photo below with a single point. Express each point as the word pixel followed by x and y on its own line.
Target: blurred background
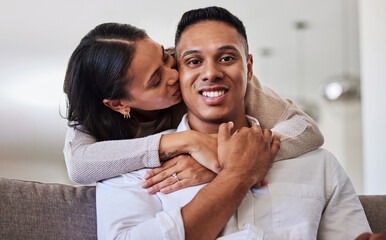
pixel 328 56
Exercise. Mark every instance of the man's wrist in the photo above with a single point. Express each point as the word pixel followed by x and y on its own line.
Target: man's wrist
pixel 241 178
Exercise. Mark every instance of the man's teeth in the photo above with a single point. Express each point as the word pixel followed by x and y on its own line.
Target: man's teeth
pixel 213 94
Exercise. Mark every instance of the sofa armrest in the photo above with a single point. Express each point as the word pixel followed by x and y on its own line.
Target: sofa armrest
pixel 375 209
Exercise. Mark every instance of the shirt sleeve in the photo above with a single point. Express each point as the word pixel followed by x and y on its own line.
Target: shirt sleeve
pixel 298 132
pixel 126 211
pixel 343 207
pixel 89 161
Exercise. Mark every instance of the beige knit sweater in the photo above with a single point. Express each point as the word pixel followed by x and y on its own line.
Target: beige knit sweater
pixel 89 161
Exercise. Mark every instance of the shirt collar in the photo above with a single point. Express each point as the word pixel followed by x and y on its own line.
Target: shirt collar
pixel 184 125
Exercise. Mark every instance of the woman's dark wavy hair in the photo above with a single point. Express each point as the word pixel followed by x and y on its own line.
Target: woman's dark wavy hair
pixel 213 13
pixel 97 70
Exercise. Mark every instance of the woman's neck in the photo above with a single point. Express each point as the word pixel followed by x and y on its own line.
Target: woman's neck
pixel 146 116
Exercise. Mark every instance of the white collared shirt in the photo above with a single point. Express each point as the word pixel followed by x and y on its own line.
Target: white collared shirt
pixel 308 197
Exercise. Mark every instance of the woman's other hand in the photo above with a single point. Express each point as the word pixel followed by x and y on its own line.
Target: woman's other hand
pixel 201 146
pixel 188 172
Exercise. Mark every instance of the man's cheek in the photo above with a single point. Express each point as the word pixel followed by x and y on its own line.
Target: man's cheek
pixel 185 73
pixel 186 79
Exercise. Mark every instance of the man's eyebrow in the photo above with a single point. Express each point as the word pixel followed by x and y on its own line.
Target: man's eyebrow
pixel 228 47
pixel 157 70
pixel 189 52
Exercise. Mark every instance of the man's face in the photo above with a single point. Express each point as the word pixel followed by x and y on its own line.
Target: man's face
pixel 214 71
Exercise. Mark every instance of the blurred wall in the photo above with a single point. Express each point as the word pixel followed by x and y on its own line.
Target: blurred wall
pixel 373 65
pixel 298 46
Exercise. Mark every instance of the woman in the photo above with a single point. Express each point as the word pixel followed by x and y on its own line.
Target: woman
pixel 108 102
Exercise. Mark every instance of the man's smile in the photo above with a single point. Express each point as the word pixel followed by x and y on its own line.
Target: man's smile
pixel 213 95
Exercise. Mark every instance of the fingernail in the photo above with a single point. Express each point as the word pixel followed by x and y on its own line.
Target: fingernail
pixel 163 190
pixel 150 190
pixel 145 184
pixel 147 175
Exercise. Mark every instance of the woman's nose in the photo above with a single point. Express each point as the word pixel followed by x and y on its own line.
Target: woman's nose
pixel 173 76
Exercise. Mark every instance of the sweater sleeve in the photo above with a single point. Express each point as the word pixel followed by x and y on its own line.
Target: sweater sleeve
pixel 89 161
pixel 298 132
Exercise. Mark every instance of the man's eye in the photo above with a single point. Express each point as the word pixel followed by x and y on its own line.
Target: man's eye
pixel 193 62
pixel 226 59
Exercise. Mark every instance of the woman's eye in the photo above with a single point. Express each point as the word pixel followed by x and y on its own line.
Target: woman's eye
pixel 156 84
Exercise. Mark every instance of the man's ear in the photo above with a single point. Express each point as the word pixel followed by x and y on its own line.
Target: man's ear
pixel 117 105
pixel 250 67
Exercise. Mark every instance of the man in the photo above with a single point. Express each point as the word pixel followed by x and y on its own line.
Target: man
pixel 307 197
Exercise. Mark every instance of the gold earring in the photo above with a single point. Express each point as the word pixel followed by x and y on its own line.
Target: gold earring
pixel 127 114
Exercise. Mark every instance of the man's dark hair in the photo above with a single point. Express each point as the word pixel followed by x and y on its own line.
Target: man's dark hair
pixel 211 14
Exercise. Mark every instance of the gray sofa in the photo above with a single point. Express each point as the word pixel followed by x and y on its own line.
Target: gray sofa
pixel 33 210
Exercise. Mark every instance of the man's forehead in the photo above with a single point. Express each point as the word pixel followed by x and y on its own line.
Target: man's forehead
pixel 215 34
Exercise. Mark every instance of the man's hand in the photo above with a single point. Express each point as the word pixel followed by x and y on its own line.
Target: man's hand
pixel 247 152
pixel 370 236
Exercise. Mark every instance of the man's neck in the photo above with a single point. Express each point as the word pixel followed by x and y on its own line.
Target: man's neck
pixel 212 126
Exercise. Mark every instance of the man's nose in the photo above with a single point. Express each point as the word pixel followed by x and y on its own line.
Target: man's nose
pixel 211 71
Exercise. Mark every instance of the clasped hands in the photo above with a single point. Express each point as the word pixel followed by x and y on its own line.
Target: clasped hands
pixel 248 152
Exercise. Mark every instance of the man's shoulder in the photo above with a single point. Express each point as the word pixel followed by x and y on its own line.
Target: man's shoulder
pixel 313 159
pixel 318 153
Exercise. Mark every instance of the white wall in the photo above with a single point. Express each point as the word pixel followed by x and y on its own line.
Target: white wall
pixel 37 38
pixel 373 64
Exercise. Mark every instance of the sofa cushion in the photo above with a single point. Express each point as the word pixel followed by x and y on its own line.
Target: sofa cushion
pixel 33 210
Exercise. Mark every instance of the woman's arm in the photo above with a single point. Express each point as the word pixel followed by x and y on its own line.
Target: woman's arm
pixel 89 161
pixel 298 132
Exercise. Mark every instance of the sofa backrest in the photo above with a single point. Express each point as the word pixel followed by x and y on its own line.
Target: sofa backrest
pixel 33 210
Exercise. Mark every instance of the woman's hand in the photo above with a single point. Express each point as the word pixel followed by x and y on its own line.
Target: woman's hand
pixel 201 146
pixel 188 172
pixel 203 149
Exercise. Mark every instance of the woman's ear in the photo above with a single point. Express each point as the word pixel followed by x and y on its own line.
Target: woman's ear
pixel 117 105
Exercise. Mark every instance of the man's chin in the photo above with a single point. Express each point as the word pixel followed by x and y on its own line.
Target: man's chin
pixel 215 117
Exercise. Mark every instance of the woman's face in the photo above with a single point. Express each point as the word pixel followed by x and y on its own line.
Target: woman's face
pixel 155 78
